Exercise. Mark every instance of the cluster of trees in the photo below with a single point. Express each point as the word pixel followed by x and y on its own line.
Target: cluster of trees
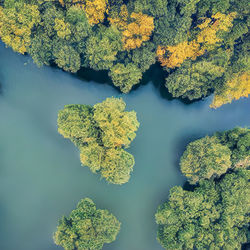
pixel 210 157
pixel 213 214
pixel 101 132
pixel 86 228
pixel 201 44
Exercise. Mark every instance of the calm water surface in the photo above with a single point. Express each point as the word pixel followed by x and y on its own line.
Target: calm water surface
pixel 41 178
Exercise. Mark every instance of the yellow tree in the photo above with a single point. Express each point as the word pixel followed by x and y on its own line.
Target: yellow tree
pixel 95 9
pixel 16 23
pixel 207 39
pixel 136 28
pixel 237 87
pixel 62 28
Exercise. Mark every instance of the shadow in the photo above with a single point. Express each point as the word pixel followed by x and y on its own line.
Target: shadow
pixel 245 246
pixel 100 77
pixel 155 75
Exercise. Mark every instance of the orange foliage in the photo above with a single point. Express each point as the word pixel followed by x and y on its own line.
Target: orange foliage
pixel 174 56
pixel 136 28
pixel 95 9
pixel 238 87
pixel 178 53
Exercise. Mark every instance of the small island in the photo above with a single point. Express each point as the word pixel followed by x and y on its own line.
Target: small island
pixel 101 133
pixel 86 227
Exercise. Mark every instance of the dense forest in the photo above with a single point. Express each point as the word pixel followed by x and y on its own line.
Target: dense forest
pixel 202 45
pixel 212 212
pixel 202 48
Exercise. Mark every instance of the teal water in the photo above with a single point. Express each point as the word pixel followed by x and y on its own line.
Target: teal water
pixel 41 178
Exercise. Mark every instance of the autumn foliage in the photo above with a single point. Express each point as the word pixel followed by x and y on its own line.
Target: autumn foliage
pixel 237 87
pixel 94 9
pixel 207 39
pixel 136 28
pixel 15 27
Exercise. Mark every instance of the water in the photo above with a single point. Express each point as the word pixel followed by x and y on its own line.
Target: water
pixel 40 174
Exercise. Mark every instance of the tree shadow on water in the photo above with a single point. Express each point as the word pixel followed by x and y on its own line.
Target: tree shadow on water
pixel 154 75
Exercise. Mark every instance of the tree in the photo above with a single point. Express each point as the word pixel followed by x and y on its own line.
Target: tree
pixel 136 27
pixel 86 227
pixel 236 88
pixel 143 57
pixel 17 20
pixel 102 48
pixel 238 141
pixel 207 39
pixel 194 79
pixel 125 76
pixel 101 132
pixel 94 9
pixel 205 158
pixel 213 216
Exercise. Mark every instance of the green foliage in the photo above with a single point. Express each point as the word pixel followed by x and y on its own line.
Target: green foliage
pixel 101 132
pixel 194 79
pixel 123 37
pixel 17 20
pixel 213 216
pixel 102 48
pixel 205 158
pixel 86 228
pixel 125 76
pixel 238 140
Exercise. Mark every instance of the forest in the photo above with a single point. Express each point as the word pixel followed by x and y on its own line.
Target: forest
pixel 201 45
pixel 212 211
pixel 199 199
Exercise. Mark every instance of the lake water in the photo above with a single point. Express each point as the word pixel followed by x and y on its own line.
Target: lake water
pixel 41 178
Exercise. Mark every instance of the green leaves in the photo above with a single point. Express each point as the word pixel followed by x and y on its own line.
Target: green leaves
pixel 86 228
pixel 205 158
pixel 214 215
pixel 125 76
pixel 101 132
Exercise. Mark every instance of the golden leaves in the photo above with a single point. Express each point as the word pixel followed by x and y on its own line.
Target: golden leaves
pixel 16 24
pixel 207 39
pixel 94 9
pixel 136 28
pixel 62 28
pixel 237 87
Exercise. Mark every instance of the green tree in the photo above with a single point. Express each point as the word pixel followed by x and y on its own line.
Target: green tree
pixel 194 79
pixel 213 216
pixel 238 140
pixel 101 132
pixel 102 48
pixel 86 228
pixel 17 20
pixel 205 158
pixel 125 76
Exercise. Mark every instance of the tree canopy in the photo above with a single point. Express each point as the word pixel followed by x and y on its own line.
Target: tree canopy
pixel 205 158
pixel 202 45
pixel 86 228
pixel 102 132
pixel 213 214
pixel 210 157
